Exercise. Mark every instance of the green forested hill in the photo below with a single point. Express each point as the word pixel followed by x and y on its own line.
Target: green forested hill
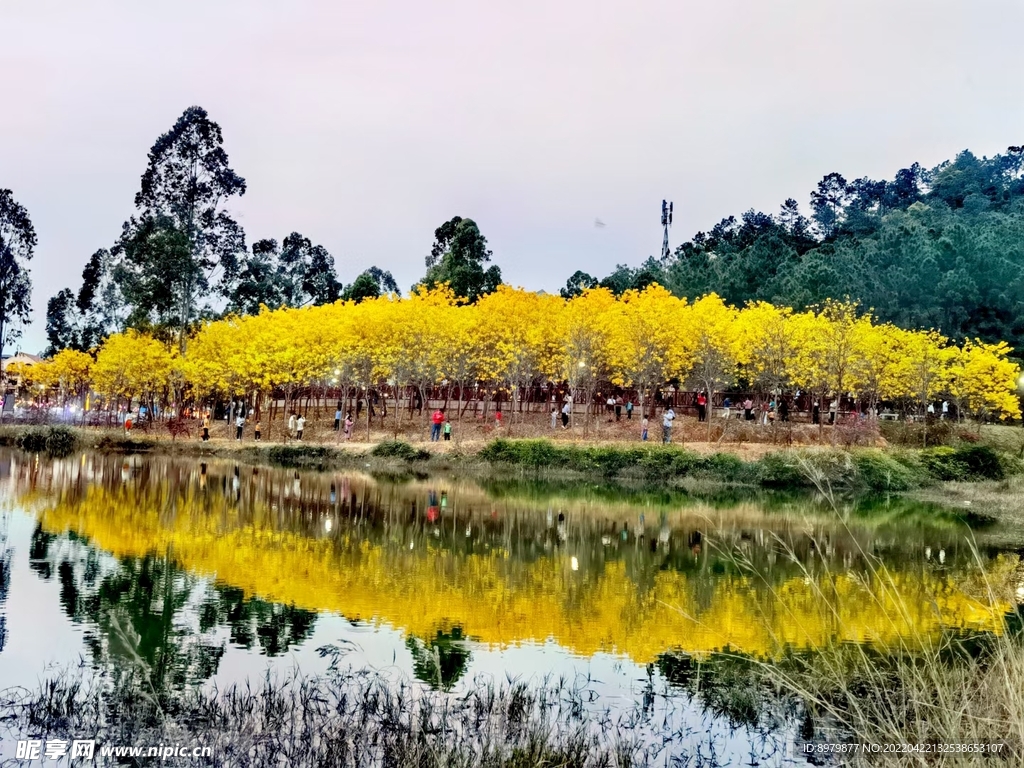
pixel 940 248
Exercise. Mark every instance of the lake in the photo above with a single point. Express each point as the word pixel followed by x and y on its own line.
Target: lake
pixel 214 573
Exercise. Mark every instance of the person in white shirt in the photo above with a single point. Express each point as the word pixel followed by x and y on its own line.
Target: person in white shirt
pixel 666 425
pixel 299 424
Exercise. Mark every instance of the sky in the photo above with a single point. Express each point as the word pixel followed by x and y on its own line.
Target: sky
pixel 365 126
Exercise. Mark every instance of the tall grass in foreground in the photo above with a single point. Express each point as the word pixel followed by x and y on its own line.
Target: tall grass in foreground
pixel 365 718
pixel 920 689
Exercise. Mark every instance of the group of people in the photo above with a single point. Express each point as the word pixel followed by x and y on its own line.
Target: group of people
pixel 296 424
pixel 766 412
pixel 616 404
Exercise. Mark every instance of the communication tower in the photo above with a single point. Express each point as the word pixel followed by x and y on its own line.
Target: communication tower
pixel 666 222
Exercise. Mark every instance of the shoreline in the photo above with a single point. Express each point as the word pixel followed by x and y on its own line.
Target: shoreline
pixel 970 471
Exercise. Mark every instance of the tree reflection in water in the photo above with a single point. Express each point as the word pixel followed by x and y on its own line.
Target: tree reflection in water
pixel 440 661
pixel 204 548
pixel 148 613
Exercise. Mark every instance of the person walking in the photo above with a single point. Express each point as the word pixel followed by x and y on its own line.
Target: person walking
pixel 554 417
pixel 437 419
pixel 337 419
pixel 447 430
pixel 206 426
pixel 257 432
pixel 300 424
pixel 833 409
pixel 666 425
pixel 643 429
pixel 726 408
pixel 783 409
pixel 239 426
pixel 748 409
pixel 618 408
pixel 566 410
pixel 702 407
pixel 816 412
pixel 349 423
pixel 629 409
pixel 291 424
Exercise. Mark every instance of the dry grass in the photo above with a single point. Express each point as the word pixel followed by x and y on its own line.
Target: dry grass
pixel 921 689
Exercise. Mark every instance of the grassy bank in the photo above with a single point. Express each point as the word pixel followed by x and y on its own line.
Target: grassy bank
pixel 867 469
pixel 855 469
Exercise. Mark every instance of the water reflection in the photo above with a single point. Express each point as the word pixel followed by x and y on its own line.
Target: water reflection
pixel 203 549
pixel 5 575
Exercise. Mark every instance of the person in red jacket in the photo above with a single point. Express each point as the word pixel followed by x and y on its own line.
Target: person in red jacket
pixel 435 427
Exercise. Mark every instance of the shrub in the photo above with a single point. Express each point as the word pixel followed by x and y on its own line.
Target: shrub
pixel 942 464
pixel 659 462
pixel 60 442
pixel 781 470
pixel 299 456
pixel 606 461
pixel 397 449
pixel 32 440
pixel 726 467
pixel 969 462
pixel 981 461
pixel 878 471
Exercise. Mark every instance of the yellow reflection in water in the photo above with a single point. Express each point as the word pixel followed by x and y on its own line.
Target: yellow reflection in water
pixel 499 599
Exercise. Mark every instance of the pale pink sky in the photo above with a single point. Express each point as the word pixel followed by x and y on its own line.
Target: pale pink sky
pixel 366 125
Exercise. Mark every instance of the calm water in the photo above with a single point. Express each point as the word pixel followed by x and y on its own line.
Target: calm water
pixel 223 571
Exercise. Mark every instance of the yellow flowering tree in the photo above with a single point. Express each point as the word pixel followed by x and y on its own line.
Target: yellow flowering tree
pixel 982 380
pixel 713 327
pixel 767 345
pixel 584 330
pixel 69 373
pixel 513 339
pixel 132 365
pixel 647 347
pixel 514 332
